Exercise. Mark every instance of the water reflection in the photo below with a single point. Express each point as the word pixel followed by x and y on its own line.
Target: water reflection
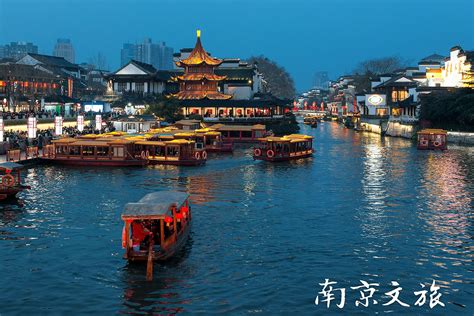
pixel 263 234
pixel 160 295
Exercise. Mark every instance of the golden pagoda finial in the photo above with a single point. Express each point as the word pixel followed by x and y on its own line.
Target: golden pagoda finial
pixel 198 33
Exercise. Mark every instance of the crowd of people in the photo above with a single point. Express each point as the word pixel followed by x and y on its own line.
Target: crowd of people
pixel 19 139
pixel 25 114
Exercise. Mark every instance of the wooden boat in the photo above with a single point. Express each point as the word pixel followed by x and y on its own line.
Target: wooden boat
pixel 284 148
pixel 11 180
pixel 240 133
pixel 179 152
pixel 212 141
pixel 432 139
pixel 156 227
pixel 108 151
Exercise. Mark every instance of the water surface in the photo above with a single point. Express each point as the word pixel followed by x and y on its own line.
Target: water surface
pixel 264 235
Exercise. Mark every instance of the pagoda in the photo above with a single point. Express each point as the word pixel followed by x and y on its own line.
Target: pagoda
pixel 199 80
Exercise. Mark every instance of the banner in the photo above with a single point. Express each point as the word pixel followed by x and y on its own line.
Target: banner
pixel 58 125
pixel 2 129
pixel 31 127
pixel 80 123
pixel 98 122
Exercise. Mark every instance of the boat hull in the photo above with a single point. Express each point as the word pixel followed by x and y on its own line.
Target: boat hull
pixel 190 162
pixel 9 193
pixel 97 163
pixel 285 158
pixel 162 255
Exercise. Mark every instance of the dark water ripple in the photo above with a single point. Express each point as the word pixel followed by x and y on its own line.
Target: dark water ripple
pixel 264 235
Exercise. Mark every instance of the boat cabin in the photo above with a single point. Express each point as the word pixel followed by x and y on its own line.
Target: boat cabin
pixel 10 173
pixel 105 151
pixel 240 133
pixel 158 226
pixel 179 152
pixel 432 139
pixel 284 148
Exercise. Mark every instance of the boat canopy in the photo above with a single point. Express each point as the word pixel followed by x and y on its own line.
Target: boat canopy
pixel 153 205
pixel 10 166
pixel 433 131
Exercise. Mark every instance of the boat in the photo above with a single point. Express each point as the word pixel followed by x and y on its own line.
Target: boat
pixel 240 133
pixel 11 180
pixel 156 227
pixel 179 152
pixel 294 146
pixel 432 139
pixel 106 151
pixel 212 141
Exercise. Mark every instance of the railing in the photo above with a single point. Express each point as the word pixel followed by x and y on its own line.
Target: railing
pixel 48 151
pixel 13 155
pixel 32 152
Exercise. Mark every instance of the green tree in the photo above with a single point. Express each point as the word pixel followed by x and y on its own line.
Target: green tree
pixel 279 81
pixel 166 108
pixel 452 110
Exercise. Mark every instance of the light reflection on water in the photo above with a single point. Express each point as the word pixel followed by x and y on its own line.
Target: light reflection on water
pixel 264 235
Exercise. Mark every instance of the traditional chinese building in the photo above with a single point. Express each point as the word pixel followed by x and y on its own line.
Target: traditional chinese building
pixel 200 94
pixel 199 80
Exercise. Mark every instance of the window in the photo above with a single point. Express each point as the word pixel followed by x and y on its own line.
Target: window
pixel 102 151
pixel 382 112
pixel 139 87
pixel 118 151
pixel 88 151
pixel 399 95
pixel 172 151
pixel 122 86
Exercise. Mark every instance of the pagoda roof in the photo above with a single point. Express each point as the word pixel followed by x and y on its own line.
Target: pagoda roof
pixel 199 56
pixel 200 76
pixel 200 95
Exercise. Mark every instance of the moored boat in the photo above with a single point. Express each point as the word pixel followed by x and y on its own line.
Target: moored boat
pixel 179 152
pixel 432 139
pixel 284 148
pixel 10 186
pixel 117 152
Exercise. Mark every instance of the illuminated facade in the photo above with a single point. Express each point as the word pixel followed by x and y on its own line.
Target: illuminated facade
pixel 199 80
pixel 459 68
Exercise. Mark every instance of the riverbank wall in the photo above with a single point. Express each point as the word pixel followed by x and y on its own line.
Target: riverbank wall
pixel 461 138
pixel 399 129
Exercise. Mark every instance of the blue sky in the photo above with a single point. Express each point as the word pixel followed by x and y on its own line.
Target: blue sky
pixel 303 36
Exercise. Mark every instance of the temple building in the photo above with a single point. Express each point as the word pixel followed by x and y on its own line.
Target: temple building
pixel 199 80
pixel 200 90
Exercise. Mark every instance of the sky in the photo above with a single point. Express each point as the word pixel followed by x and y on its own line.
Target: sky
pixel 302 36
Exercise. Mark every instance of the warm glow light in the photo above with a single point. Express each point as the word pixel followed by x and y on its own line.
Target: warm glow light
pixel 198 33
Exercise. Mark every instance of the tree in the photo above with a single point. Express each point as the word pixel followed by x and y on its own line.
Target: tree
pixel 371 68
pixel 166 108
pixel 449 110
pixel 279 81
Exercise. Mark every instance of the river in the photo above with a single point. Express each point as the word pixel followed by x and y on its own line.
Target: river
pixel 264 235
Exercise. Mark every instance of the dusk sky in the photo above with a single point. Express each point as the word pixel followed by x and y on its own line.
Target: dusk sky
pixel 302 36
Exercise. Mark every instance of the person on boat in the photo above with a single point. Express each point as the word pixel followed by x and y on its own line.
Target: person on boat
pixel 139 234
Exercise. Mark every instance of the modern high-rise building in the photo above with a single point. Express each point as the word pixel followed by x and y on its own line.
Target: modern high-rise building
pixel 127 53
pixel 321 80
pixel 17 50
pixel 63 48
pixel 157 54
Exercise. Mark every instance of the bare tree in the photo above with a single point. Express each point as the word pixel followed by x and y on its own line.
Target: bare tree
pixel 279 81
pixel 368 69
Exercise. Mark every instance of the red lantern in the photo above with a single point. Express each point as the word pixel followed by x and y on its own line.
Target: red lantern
pixel 168 219
pixel 179 216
